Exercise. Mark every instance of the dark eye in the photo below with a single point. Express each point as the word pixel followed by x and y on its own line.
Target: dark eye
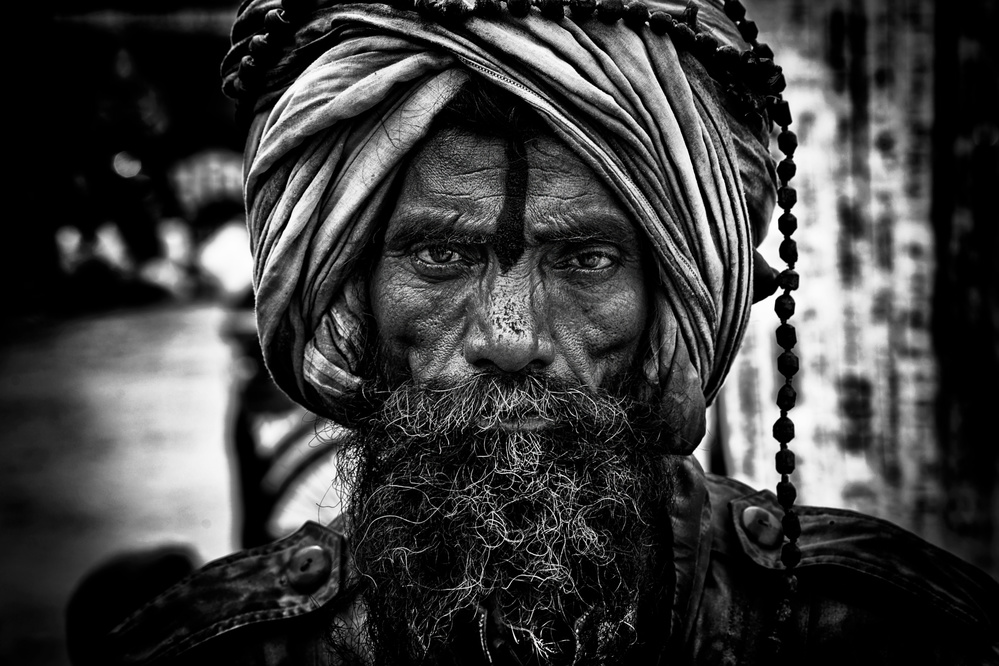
pixel 442 262
pixel 438 255
pixel 590 260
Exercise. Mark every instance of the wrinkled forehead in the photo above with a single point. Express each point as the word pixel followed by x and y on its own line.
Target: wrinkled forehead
pixel 529 185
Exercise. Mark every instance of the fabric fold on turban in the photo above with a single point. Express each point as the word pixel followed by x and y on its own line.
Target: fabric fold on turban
pixel 324 151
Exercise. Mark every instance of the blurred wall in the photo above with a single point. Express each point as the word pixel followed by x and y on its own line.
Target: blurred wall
pixel 895 106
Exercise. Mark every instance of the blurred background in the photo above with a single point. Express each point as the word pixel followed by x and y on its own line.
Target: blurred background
pixel 133 408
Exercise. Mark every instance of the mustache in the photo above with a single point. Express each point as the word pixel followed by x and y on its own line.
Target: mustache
pixel 487 401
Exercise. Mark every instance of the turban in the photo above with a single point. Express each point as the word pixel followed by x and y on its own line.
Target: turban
pixel 332 121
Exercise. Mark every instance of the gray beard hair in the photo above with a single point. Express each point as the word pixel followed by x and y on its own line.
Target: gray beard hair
pixel 546 543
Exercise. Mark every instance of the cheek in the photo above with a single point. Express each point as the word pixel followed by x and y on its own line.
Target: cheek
pixel 621 320
pixel 416 324
pixel 601 332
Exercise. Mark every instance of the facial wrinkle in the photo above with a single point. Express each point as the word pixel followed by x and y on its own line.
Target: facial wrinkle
pixel 509 238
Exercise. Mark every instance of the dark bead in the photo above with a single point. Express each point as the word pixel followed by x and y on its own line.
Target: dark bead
pixel 427 8
pixel 769 73
pixel 636 15
pixel 735 10
pixel 749 31
pixel 783 430
pixel 778 83
pixel 767 67
pixel 787 141
pixel 786 197
pixel 787 223
pixel 788 251
pixel 787 363
pixel 766 70
pixel 784 306
pixel 786 397
pixel 791 525
pixel 787 337
pixel 786 494
pixel 786 169
pixel 582 9
pixel 275 22
pixel 689 16
pixel 749 61
pixel 790 555
pixel 763 51
pixel 487 8
pixel 785 461
pixel 728 57
pixel 705 45
pixel 609 11
pixel 438 10
pixel 660 22
pixel 551 9
pixel 453 10
pixel 780 112
pixel 518 8
pixel 788 279
pixel 683 36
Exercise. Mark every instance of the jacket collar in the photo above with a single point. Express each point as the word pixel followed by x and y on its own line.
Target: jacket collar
pixel 690 517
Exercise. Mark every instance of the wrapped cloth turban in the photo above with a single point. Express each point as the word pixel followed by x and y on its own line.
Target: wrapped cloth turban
pixel 333 120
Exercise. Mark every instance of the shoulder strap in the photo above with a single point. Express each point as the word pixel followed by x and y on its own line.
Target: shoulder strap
pixel 289 578
pixel 859 543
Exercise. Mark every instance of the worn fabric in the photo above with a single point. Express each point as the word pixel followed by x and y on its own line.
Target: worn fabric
pixel 869 593
pixel 327 142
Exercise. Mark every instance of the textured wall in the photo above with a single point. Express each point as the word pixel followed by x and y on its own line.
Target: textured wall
pixel 897 308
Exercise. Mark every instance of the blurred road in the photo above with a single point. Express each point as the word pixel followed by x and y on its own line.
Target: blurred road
pixel 111 438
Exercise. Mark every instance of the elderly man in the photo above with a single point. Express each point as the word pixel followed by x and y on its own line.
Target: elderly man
pixel 511 249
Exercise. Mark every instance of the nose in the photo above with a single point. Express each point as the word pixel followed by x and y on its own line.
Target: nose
pixel 510 329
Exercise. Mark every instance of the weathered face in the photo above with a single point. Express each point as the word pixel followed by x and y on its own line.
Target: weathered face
pixel 507 257
pixel 510 290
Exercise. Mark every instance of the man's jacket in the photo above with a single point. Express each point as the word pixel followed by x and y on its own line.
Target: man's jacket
pixel 868 593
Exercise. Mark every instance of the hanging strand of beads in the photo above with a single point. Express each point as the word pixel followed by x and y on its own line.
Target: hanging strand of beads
pixel 787 364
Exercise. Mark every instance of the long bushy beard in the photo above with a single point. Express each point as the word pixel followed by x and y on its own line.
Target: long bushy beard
pixel 480 539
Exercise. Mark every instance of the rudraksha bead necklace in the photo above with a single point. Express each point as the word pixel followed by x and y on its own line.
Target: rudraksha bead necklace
pixel 754 70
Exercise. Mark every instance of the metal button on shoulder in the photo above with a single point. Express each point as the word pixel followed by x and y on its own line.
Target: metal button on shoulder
pixel 762 527
pixel 309 568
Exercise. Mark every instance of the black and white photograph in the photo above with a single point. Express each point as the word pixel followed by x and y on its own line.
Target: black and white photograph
pixel 501 333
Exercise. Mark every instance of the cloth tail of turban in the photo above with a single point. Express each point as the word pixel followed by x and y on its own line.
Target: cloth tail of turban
pixel 327 141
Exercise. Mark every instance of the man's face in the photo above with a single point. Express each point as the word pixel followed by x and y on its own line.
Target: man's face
pixel 508 258
pixel 513 481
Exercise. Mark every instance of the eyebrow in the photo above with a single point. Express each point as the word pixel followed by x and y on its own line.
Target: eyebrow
pixel 602 228
pixel 431 227
pixel 434 227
